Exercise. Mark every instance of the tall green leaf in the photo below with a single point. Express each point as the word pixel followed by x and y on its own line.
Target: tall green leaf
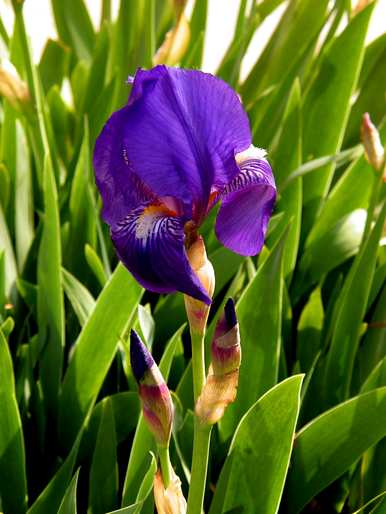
pixel 287 158
pixel 53 66
pixel 51 497
pixel 254 473
pixel 299 25
pixel 50 294
pixel 81 299
pixel 68 505
pixel 13 480
pixel 82 222
pixel 95 350
pixel 348 317
pixel 326 447
pixel 103 486
pixel 197 30
pixel 10 269
pixel 260 329
pixel 24 221
pixel 327 104
pixel 373 348
pixel 74 26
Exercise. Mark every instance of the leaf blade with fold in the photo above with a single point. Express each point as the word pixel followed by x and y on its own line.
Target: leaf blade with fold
pixel 13 479
pixel 326 447
pixel 95 349
pixel 261 448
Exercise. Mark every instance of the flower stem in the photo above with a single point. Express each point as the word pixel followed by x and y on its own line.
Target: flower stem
pixel 198 362
pixel 202 432
pixel 377 187
pixel 164 459
pixel 201 446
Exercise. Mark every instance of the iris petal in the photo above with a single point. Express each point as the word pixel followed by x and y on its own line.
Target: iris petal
pixel 182 132
pixel 150 242
pixel 121 189
pixel 247 204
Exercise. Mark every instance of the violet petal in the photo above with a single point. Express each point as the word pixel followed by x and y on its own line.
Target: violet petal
pixel 150 243
pixel 182 133
pixel 247 204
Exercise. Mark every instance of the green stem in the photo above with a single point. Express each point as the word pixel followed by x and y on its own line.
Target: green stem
pixel 372 204
pixel 202 433
pixel 164 459
pixel 201 446
pixel 198 362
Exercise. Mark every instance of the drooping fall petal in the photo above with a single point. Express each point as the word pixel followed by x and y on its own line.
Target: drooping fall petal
pixel 150 242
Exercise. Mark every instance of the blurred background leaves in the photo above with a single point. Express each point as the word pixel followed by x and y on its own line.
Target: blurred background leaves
pixel 308 430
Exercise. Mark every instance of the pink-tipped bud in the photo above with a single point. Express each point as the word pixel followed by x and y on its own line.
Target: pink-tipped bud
pixel 374 150
pixel 157 405
pixel 13 88
pixel 226 350
pixel 360 5
pixel 221 386
pixel 197 311
pixel 169 500
pixel 175 44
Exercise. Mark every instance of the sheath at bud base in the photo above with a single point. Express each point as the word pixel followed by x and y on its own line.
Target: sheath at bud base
pixel 221 386
pixel 198 312
pixel 169 500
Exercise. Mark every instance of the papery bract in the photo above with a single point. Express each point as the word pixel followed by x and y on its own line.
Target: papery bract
pixel 221 384
pixel 180 145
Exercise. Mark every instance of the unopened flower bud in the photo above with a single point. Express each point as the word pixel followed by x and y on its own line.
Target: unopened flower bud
pixel 374 150
pixel 12 87
pixel 196 310
pixel 155 396
pixel 360 5
pixel 175 44
pixel 226 350
pixel 169 500
pixel 221 386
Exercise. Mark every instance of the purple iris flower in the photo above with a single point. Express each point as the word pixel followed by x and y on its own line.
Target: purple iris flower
pixel 180 145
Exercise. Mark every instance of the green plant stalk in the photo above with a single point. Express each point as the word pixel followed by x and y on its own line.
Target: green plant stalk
pixel 201 442
pixel 163 453
pixel 377 187
pixel 198 362
pixel 201 445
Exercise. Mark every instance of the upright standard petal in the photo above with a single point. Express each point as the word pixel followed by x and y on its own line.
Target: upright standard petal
pixel 120 187
pixel 247 204
pixel 150 242
pixel 182 133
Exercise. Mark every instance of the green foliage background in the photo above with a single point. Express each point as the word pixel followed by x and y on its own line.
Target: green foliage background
pixel 307 432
